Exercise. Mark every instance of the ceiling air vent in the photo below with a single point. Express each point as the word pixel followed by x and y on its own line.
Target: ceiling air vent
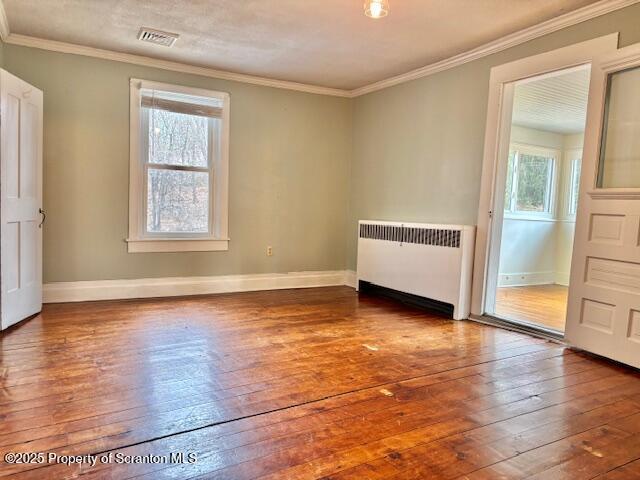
pixel 157 36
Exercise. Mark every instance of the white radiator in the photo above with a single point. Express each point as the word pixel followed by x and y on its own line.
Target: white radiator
pixel 432 261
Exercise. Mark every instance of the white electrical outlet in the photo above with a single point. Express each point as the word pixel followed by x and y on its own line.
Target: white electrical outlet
pixel 269 251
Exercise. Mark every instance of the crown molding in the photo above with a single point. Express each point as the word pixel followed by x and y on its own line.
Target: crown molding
pixel 63 47
pixel 583 14
pixel 553 25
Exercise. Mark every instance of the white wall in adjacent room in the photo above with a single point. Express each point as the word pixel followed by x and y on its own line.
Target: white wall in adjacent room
pixel 539 251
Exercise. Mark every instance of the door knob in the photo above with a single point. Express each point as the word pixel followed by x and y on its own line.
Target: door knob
pixel 44 217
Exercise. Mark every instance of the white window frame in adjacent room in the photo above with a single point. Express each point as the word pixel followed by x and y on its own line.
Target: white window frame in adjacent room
pixel 575 161
pixel 551 193
pixel 140 240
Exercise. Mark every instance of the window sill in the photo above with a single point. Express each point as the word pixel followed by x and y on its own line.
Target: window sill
pixel 531 218
pixel 177 245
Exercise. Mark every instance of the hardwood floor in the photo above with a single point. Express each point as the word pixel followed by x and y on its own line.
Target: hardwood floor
pixel 544 305
pixel 303 384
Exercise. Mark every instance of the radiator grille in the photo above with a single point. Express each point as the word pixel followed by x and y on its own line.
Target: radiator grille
pixel 424 236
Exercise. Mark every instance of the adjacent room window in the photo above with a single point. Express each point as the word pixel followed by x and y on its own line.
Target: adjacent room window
pixel 574 187
pixel 179 168
pixel 529 183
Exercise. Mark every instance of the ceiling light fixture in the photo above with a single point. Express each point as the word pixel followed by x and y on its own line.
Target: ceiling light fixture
pixel 376 8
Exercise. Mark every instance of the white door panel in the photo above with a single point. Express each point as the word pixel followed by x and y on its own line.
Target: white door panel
pixel 604 298
pixel 20 199
pixel 10 144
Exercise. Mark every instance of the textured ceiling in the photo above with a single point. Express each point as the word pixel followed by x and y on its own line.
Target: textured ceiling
pixel 555 104
pixel 329 42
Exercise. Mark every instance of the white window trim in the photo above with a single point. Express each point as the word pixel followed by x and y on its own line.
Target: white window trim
pixel 552 188
pixel 139 240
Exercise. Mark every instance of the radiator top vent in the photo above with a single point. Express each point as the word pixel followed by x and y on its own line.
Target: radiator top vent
pixel 158 37
pixel 423 236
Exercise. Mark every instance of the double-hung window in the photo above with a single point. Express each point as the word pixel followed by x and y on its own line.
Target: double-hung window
pixel 574 186
pixel 178 168
pixel 530 181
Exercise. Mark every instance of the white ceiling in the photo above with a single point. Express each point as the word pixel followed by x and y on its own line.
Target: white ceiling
pixel 554 104
pixel 324 42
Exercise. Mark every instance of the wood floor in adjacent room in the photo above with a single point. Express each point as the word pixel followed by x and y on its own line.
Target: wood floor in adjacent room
pixel 544 305
pixel 304 384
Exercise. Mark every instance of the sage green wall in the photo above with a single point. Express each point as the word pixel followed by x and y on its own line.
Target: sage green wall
pixel 417 147
pixel 289 173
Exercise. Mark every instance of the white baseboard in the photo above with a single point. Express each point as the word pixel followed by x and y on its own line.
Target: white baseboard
pixel 350 278
pixel 562 278
pixel 175 286
pixel 525 278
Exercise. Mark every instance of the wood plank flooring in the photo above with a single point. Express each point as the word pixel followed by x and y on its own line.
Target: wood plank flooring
pixel 306 384
pixel 544 305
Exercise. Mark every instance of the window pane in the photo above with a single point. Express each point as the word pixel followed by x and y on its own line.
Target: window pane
pixel 575 186
pixel 178 139
pixel 620 152
pixel 533 181
pixel 508 190
pixel 177 201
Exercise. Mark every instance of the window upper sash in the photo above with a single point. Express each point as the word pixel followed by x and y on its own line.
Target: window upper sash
pixel 145 160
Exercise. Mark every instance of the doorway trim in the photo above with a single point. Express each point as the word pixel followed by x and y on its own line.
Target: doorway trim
pixel 496 145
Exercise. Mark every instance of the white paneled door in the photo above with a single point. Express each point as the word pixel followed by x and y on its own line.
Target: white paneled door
pixel 20 199
pixel 604 299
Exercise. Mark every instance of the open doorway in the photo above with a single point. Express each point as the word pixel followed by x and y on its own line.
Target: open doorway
pixel 540 198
